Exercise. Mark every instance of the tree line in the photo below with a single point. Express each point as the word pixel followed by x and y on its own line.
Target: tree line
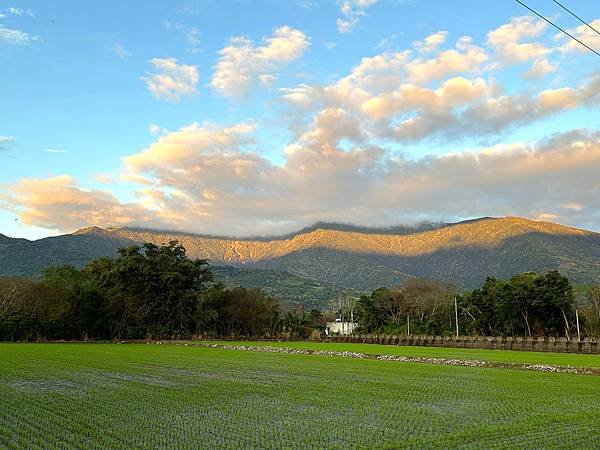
pixel 527 304
pixel 157 292
pixel 145 292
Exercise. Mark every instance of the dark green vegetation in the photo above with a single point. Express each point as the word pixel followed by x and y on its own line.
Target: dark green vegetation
pixel 146 292
pixel 351 270
pixel 23 258
pixel 152 292
pixel 345 257
pixel 149 396
pixel 290 290
pixel 527 304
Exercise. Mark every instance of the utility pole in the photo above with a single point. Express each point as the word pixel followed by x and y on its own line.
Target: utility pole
pixel 456 314
pixel 577 319
pixel 341 313
pixel 408 323
pixel 352 316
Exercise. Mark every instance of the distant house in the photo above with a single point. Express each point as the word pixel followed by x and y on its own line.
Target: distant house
pixel 339 327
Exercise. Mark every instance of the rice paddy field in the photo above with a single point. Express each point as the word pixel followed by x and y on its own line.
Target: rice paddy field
pixel 175 396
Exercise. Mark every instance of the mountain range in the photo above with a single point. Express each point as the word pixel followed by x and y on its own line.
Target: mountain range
pixel 328 259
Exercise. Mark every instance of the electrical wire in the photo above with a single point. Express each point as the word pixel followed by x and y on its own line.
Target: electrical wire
pixel 576 16
pixel 557 27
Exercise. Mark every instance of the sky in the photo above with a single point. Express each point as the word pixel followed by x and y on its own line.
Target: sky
pixel 243 117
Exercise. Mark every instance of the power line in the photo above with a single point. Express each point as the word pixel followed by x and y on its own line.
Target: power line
pixel 557 27
pixel 576 16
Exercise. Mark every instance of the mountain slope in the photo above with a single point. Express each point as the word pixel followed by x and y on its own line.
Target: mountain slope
pixel 464 253
pixel 481 233
pixel 289 289
pixel 20 257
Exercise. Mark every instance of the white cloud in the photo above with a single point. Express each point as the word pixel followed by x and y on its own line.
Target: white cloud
pixel 193 40
pixel 387 72
pixel 540 68
pixel 584 34
pixel 465 58
pixel 507 40
pixel 202 178
pixel 58 202
pixel 103 178
pixel 172 81
pixel 15 37
pixel 547 217
pixel 243 63
pixel 344 160
pixel 412 96
pixel 121 51
pixel 352 11
pixel 12 11
pixel 55 150
pixel 573 206
pixel 6 141
pixel 431 42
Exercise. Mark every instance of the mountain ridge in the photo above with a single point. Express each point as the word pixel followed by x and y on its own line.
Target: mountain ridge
pixel 328 226
pixel 464 253
pixel 484 232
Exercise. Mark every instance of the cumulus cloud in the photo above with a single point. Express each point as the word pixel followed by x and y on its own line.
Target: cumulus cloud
pixel 171 81
pixel 508 40
pixel 431 42
pixel 540 68
pixel 386 72
pixel 466 58
pixel 352 11
pixel 58 202
pixel 242 63
pixel 201 178
pixel 432 93
pixel 189 147
pixel 345 159
pixel 584 34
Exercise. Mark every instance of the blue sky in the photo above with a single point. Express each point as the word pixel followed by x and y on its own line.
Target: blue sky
pixel 250 117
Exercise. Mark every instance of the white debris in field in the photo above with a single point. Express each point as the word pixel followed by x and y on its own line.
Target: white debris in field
pixel 438 361
pixel 545 368
pixel 409 359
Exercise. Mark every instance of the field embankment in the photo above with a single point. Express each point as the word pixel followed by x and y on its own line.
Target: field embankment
pixel 464 354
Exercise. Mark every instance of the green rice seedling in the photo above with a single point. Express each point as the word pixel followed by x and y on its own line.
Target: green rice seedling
pixel 144 396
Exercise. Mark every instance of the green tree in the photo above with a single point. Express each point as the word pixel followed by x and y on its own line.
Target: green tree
pixel 154 291
pixel 554 302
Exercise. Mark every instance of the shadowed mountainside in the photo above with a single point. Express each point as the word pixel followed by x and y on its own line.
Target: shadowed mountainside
pixel 348 257
pixel 289 289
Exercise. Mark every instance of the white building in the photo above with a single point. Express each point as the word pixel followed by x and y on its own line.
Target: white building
pixel 339 327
